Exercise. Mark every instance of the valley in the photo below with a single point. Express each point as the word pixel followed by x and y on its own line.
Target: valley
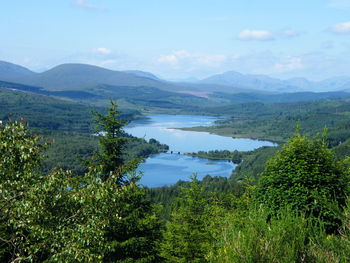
pixel 60 109
pixel 175 131
pixel 205 142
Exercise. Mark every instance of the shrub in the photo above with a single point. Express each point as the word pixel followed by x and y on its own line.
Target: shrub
pixel 306 176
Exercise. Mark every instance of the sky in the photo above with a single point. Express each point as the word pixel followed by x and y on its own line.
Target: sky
pixel 181 39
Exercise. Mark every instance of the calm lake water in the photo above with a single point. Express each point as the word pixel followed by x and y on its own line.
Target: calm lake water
pixel 165 168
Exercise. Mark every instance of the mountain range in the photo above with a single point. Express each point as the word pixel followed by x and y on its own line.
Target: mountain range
pixel 84 77
pixel 269 84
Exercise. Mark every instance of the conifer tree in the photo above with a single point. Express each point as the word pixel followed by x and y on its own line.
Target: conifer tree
pixel 188 235
pixel 109 158
pixel 101 217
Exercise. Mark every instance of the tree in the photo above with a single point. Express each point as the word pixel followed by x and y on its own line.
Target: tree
pixel 19 159
pixel 132 235
pixel 102 216
pixel 112 143
pixel 189 233
pixel 305 176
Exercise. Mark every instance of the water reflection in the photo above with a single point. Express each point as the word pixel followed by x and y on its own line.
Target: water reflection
pixel 166 169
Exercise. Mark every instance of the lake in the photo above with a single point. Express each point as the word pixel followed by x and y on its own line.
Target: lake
pixel 166 168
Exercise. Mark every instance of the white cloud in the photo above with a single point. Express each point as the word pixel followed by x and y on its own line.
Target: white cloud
pixel 341 28
pixel 255 35
pixel 102 51
pixel 87 5
pixel 340 4
pixel 190 61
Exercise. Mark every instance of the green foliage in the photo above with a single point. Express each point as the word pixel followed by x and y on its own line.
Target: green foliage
pixel 276 122
pixel 189 233
pixel 253 163
pixel 251 234
pixel 109 158
pixel 63 217
pixel 235 156
pixel 268 98
pixel 67 150
pixel 44 112
pixel 343 149
pixel 324 248
pixel 306 176
pixel 220 188
pixel 251 238
pixel 67 126
pixel 19 160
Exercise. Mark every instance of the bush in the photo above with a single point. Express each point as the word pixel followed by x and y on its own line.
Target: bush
pixel 306 176
pixel 281 239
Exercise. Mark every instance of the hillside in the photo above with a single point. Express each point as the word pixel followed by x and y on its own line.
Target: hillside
pixel 10 71
pixel 138 97
pixel 79 76
pixel 67 126
pixel 45 112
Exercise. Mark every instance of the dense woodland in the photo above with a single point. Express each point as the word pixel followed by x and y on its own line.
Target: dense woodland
pixel 281 204
pixel 68 127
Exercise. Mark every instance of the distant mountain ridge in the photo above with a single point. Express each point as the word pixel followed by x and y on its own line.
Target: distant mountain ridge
pixel 81 76
pixel 266 83
pixel 257 82
pixel 75 76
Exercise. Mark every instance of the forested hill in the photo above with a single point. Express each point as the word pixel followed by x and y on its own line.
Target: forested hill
pixel 150 99
pixel 298 210
pixel 44 111
pixel 128 97
pixel 67 125
pixel 48 112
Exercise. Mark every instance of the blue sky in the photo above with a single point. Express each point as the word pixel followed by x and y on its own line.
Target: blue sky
pixel 181 38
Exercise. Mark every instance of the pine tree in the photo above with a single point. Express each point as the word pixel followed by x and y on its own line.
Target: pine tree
pixel 103 216
pixel 188 234
pixel 109 158
pixel 132 235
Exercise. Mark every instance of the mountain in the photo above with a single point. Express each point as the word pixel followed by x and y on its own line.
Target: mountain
pixel 301 84
pixel 70 94
pixel 83 77
pixel 80 76
pixel 143 74
pixel 268 84
pixel 336 83
pixel 252 82
pixel 10 71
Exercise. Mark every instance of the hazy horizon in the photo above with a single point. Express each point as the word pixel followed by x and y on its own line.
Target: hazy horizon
pixel 189 79
pixel 181 39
